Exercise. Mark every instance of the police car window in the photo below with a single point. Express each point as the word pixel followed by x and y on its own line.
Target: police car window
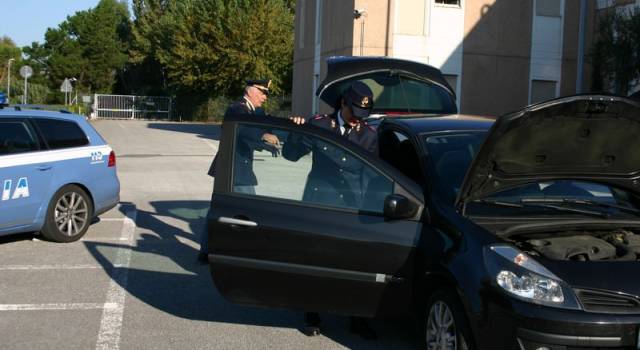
pixel 16 137
pixel 305 168
pixel 62 133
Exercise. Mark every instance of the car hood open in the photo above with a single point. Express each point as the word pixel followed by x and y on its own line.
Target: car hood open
pixel 343 69
pixel 586 137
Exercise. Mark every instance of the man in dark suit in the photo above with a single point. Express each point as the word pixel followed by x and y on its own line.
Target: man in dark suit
pixel 255 94
pixel 334 179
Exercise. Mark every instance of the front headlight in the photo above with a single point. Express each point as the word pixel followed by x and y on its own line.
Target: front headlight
pixel 524 278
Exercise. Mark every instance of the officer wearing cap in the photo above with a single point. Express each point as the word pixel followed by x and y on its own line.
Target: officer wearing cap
pixel 256 93
pixel 334 179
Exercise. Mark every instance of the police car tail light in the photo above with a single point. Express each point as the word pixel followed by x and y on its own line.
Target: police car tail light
pixel 112 159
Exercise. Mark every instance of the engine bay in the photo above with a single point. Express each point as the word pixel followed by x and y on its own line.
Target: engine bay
pixel 616 245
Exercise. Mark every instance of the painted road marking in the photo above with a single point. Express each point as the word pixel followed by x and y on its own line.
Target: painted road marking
pixel 68 306
pixel 111 321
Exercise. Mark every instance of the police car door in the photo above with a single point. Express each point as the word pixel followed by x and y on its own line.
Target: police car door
pixel 25 175
pixel 294 233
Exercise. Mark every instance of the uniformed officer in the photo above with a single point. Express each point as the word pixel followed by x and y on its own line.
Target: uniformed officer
pixel 337 178
pixel 256 93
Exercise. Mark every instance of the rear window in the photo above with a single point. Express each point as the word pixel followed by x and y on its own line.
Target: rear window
pixel 400 93
pixel 62 133
pixel 16 137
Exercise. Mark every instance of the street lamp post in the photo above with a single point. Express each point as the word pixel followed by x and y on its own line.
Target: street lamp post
pixel 9 79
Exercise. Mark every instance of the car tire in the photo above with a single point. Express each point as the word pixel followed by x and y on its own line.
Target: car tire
pixel 68 216
pixel 449 331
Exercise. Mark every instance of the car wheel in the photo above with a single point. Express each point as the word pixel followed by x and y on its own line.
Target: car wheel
pixel 445 326
pixel 68 216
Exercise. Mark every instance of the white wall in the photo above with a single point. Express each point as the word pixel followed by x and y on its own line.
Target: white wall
pixel 438 43
pixel 546 48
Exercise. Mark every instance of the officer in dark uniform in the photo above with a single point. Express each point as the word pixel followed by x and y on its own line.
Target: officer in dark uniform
pixel 335 177
pixel 256 93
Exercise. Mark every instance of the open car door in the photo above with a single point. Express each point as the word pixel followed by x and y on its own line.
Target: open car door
pixel 283 235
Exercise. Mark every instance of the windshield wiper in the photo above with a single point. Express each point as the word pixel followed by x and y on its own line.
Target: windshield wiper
pixel 582 202
pixel 546 205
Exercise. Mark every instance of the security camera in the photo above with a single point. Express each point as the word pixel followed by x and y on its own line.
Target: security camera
pixel 357 13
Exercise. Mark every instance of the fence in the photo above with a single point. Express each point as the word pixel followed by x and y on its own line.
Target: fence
pixel 131 107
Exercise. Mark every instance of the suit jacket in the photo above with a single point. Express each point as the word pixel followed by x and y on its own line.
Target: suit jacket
pixel 248 140
pixel 336 177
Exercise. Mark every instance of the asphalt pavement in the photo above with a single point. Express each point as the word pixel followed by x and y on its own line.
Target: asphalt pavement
pixel 133 281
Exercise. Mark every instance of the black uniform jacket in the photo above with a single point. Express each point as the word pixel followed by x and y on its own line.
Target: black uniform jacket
pixel 336 177
pixel 250 139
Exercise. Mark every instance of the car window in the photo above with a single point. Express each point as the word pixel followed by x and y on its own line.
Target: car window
pixel 397 150
pixel 16 137
pixel 61 133
pixel 451 155
pixel 396 92
pixel 307 169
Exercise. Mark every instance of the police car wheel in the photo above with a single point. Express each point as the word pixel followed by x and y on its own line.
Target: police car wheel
pixel 69 215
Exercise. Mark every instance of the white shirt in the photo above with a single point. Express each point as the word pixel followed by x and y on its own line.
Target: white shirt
pixel 341 122
pixel 251 106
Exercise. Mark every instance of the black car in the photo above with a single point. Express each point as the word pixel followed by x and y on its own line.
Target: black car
pixel 520 233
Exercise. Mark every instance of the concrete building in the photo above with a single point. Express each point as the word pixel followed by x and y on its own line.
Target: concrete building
pixel 498 55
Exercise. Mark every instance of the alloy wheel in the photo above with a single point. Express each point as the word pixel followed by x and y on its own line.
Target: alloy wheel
pixel 71 214
pixel 441 328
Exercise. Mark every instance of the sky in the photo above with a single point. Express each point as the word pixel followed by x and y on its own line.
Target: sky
pixel 25 21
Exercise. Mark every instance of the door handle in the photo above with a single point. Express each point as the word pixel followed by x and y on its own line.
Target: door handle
pixel 237 222
pixel 44 167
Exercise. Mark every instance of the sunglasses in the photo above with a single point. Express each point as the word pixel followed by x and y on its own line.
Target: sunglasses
pixel 263 90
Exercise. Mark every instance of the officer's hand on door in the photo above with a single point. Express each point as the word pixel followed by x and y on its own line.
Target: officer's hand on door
pixel 271 138
pixel 297 120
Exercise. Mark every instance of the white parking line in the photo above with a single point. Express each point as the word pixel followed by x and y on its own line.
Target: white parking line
pixel 210 144
pixel 111 322
pixel 113 219
pixel 71 306
pixel 48 267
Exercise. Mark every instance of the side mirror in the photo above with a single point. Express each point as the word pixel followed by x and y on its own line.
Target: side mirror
pixel 399 207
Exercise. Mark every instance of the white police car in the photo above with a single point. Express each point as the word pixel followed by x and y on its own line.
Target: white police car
pixel 56 174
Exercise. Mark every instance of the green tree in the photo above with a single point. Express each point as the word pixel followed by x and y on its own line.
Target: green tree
pixel 8 50
pixel 91 46
pixel 616 51
pixel 208 48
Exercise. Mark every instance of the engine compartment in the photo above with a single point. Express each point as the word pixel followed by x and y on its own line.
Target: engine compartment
pixel 612 245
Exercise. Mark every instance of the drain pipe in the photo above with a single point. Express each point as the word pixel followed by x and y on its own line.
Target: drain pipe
pixel 581 39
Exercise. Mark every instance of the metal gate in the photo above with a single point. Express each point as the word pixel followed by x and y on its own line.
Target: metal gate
pixel 132 107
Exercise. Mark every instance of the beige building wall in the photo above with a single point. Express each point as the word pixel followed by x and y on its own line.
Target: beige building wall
pixel 496 57
pixel 496 47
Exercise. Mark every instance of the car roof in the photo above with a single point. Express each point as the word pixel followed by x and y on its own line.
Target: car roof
pixel 453 122
pixel 8 112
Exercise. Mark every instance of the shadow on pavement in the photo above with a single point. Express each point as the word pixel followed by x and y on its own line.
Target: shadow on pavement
pixel 17 237
pixel 164 273
pixel 207 131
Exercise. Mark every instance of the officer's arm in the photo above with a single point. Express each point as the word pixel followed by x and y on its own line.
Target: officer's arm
pixel 296 147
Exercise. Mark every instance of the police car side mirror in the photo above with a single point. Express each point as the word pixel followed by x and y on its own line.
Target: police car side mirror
pixel 399 207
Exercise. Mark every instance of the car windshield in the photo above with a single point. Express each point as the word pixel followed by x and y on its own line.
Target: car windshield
pixel 394 92
pixel 451 155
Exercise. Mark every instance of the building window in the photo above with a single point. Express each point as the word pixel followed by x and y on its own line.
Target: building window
pixel 548 8
pixel 452 80
pixel 542 90
pixel 448 2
